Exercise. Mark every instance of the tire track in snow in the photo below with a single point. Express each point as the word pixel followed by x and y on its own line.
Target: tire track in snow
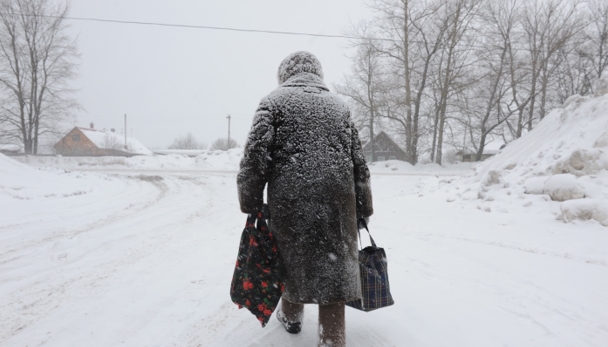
pixel 114 215
pixel 525 249
pixel 39 298
pixel 56 205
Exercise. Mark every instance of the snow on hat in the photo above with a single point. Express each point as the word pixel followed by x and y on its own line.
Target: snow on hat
pixel 299 62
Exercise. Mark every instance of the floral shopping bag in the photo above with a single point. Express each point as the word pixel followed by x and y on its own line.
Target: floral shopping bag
pixel 256 283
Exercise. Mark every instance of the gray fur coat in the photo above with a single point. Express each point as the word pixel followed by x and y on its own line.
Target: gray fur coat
pixel 304 145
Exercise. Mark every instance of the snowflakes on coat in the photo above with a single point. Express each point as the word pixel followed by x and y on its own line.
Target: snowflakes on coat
pixel 305 150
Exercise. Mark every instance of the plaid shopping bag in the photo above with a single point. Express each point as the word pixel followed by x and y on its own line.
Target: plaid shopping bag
pixel 374 278
pixel 256 283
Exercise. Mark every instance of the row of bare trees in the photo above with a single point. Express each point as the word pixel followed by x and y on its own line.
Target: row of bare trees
pixel 38 59
pixel 189 141
pixel 459 74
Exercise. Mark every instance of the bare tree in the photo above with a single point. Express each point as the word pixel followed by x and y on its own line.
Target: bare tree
pixel 576 74
pixel 223 144
pixel 431 33
pixel 187 141
pixel 459 15
pixel 597 35
pixel 111 141
pixel 392 25
pixel 410 36
pixel 37 60
pixel 498 23
pixel 460 73
pixel 365 87
pixel 586 58
pixel 548 26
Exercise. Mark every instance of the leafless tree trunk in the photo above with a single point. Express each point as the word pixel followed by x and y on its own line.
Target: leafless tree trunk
pixel 597 35
pixel 586 57
pixel 417 36
pixel 459 15
pixel 563 25
pixel 431 35
pixel 37 60
pixel 548 26
pixel 365 87
pixel 394 23
pixel 408 83
pixel 499 21
pixel 435 125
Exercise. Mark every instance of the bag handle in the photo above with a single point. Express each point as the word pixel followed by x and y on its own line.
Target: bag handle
pixel 362 221
pixel 254 219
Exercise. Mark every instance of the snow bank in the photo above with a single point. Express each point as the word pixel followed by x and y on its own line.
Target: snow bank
pixel 585 209
pixel 206 160
pixel 19 181
pixel 397 166
pixel 563 160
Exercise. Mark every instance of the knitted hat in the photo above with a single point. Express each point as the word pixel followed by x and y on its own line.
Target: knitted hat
pixel 299 62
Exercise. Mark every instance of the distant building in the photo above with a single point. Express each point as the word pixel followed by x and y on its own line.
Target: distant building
pixel 490 150
pixel 91 142
pixel 385 149
pixel 10 149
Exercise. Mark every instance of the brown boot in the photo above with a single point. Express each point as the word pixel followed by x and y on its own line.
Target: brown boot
pixel 332 331
pixel 291 315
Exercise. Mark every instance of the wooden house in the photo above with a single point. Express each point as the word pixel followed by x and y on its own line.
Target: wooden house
pixel 92 142
pixel 385 149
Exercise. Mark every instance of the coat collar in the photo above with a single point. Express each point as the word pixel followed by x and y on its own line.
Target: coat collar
pixel 305 79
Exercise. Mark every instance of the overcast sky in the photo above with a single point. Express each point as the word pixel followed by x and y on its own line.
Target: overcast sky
pixel 170 81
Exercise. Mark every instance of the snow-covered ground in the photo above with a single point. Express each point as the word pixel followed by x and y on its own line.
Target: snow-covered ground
pixel 208 160
pixel 139 259
pixel 197 160
pixel 140 251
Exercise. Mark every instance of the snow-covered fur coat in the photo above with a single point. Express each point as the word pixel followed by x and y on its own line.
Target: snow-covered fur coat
pixel 304 145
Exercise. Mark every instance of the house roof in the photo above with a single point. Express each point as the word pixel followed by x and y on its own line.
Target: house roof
pixel 104 139
pixel 388 138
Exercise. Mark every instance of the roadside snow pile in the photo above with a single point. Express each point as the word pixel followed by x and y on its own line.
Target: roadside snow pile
pixel 563 160
pixel 402 167
pixel 22 182
pixel 206 160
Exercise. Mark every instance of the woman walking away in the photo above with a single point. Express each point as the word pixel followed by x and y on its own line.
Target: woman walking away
pixel 303 144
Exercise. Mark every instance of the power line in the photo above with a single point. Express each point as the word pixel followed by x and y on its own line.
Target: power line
pixel 147 118
pixel 188 26
pixel 274 32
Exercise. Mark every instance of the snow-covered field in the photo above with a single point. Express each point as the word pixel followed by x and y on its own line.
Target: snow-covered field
pixel 140 251
pixel 136 259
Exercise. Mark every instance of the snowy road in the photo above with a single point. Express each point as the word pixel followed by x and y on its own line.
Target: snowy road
pixel 146 260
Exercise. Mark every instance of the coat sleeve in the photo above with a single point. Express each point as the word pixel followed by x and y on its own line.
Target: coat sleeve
pixel 363 190
pixel 255 164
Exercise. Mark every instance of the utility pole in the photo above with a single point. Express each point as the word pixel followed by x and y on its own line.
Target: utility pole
pixel 126 148
pixel 228 130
